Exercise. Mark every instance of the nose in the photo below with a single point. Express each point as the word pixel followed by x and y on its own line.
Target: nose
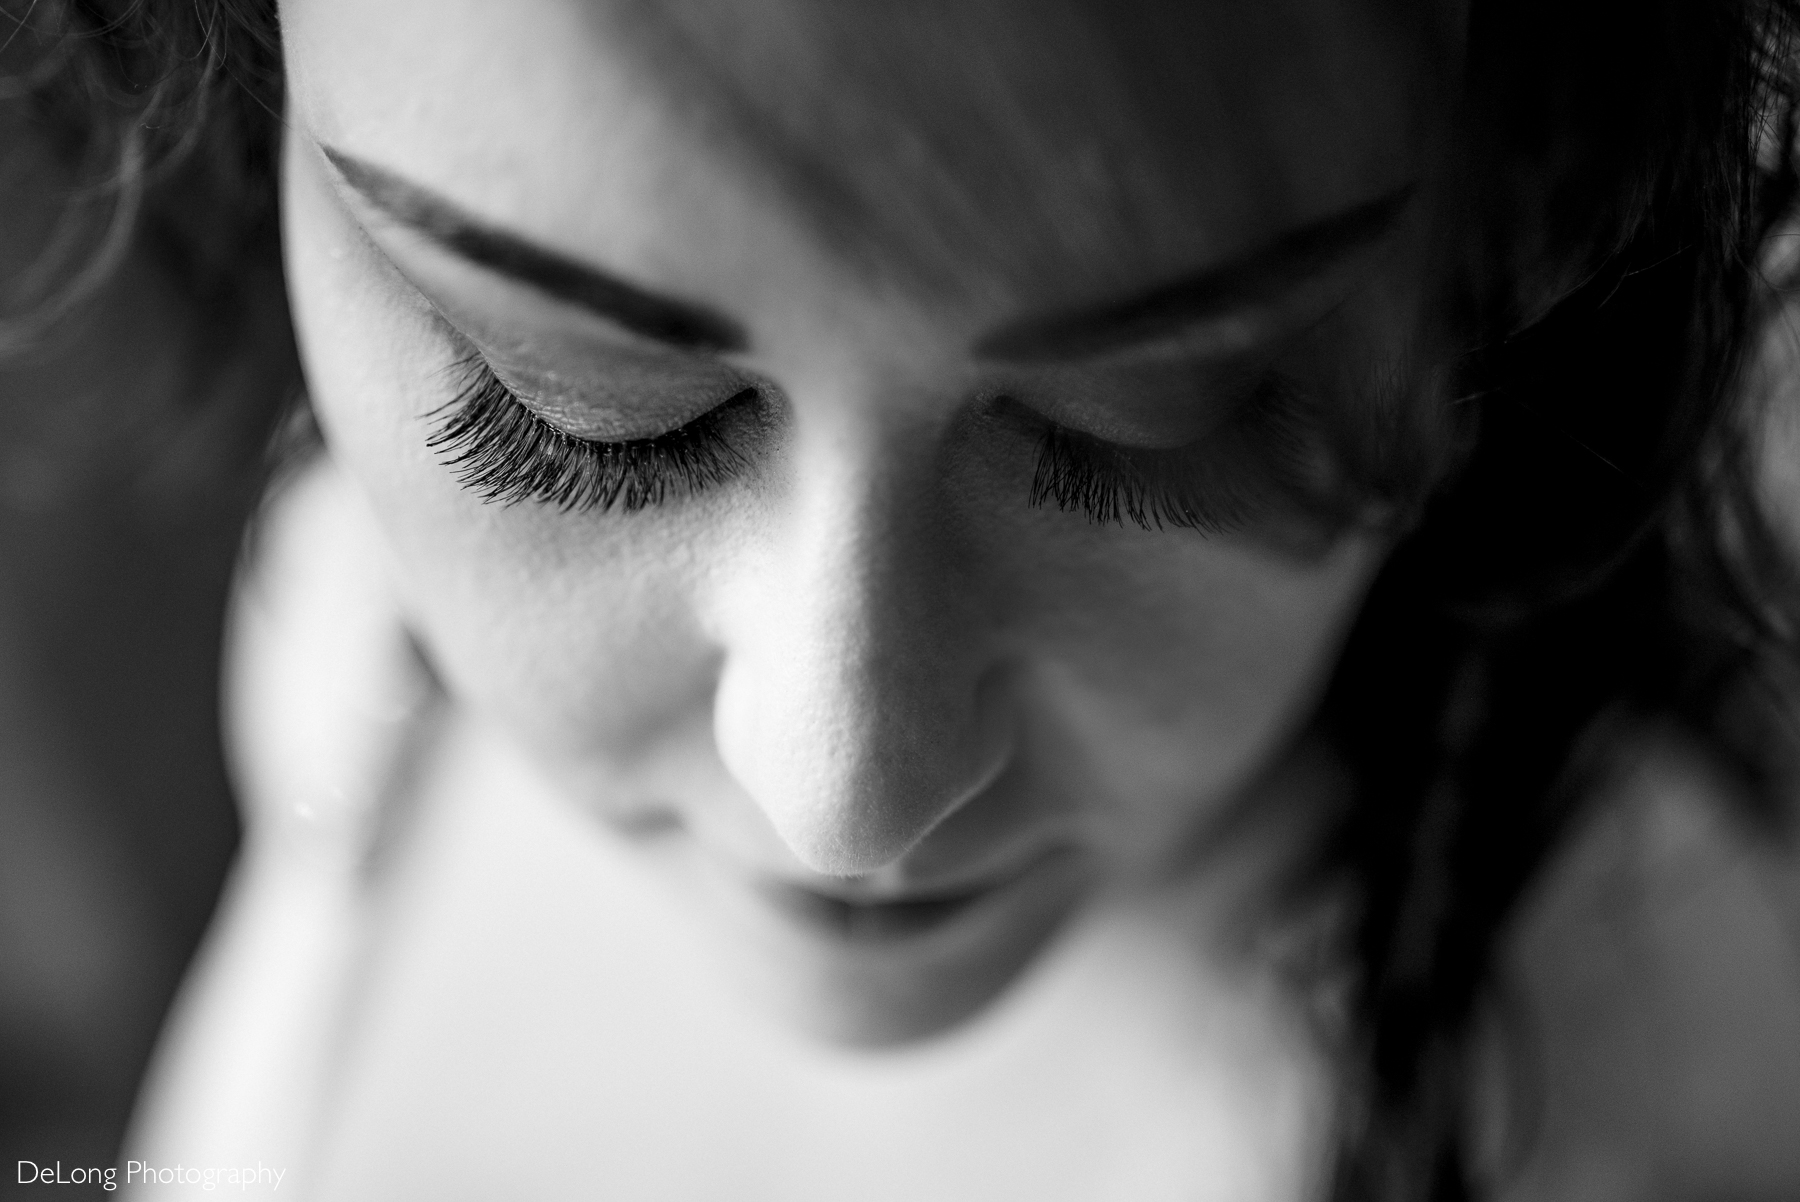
pixel 860 701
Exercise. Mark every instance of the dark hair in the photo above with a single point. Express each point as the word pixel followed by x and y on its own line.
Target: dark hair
pixel 1600 561
pixel 157 124
pixel 1597 560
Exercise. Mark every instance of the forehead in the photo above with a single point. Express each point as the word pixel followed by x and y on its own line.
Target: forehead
pixel 989 150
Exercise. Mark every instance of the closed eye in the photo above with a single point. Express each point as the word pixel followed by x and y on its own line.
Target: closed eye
pixel 501 450
pixel 1268 460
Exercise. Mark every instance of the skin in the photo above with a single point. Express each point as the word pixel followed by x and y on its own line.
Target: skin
pixel 865 666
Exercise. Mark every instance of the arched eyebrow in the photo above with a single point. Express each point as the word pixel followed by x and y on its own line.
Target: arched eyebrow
pixel 1263 278
pixel 677 323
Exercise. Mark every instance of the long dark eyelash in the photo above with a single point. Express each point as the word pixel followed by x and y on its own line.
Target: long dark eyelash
pixel 505 453
pixel 1261 458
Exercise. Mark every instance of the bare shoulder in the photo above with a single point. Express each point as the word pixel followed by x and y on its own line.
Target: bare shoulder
pixel 1656 1032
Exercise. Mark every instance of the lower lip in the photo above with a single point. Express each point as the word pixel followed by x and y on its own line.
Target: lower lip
pixel 887 924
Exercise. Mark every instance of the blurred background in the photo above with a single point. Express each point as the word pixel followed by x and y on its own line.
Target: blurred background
pixel 124 486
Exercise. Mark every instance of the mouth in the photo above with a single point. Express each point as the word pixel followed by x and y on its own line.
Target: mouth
pixel 903 915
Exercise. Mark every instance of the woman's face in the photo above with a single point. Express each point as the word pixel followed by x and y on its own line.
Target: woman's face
pixel 903 320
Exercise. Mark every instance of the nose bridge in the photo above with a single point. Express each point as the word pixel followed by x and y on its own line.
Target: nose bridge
pixel 851 705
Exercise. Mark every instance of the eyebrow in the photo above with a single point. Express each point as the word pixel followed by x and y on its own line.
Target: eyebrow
pixel 673 322
pixel 1262 277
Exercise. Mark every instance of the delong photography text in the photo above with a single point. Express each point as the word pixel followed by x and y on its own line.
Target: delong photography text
pixel 141 1174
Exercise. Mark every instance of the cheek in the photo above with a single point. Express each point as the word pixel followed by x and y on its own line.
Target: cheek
pixel 575 631
pixel 1167 679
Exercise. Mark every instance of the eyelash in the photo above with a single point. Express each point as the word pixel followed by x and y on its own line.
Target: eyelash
pixel 505 453
pixel 1265 457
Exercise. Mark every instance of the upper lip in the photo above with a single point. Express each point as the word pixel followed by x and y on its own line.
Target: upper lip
pixel 873 890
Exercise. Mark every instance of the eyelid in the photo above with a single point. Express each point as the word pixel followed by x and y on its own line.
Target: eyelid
pixel 624 399
pixel 1122 396
pixel 1144 414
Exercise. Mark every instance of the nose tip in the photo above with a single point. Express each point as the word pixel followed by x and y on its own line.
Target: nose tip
pixel 854 768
